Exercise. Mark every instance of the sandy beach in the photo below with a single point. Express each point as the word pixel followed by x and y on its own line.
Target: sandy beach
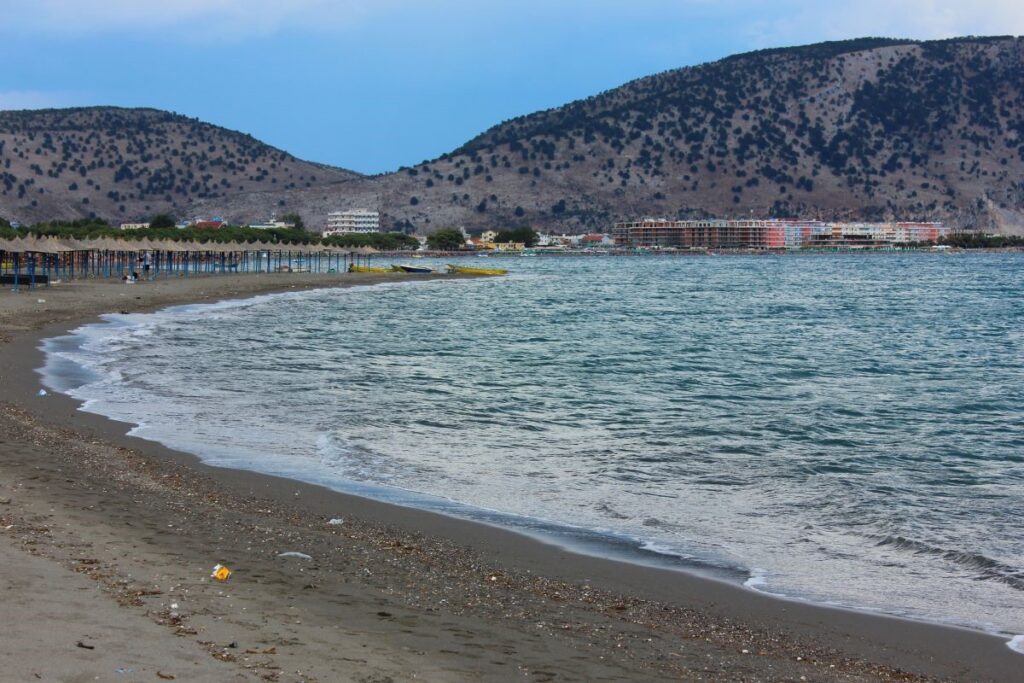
pixel 107 543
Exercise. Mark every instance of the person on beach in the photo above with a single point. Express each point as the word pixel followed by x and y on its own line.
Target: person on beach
pixel 145 264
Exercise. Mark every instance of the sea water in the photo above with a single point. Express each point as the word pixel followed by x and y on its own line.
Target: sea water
pixel 846 429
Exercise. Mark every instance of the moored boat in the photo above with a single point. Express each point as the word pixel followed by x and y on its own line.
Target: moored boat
pixel 410 269
pixel 353 268
pixel 469 270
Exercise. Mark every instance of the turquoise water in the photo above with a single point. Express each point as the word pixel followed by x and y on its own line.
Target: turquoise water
pixel 845 429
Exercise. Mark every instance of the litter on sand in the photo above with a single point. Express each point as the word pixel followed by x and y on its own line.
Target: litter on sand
pixel 297 556
pixel 336 521
pixel 42 392
pixel 220 572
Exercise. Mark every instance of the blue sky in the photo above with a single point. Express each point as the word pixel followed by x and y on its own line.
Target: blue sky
pixel 374 85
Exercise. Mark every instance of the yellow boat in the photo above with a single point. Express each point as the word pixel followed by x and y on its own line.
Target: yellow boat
pixel 468 270
pixel 353 268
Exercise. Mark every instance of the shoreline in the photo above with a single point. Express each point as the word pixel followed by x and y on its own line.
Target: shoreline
pixel 563 536
pixel 738 629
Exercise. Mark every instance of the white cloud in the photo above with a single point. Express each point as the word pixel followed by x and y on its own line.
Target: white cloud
pixel 39 99
pixel 775 22
pixel 808 22
pixel 229 18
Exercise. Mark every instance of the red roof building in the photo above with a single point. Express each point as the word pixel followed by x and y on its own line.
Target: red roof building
pixel 210 225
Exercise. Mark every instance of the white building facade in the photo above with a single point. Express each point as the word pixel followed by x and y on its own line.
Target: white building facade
pixel 272 224
pixel 352 220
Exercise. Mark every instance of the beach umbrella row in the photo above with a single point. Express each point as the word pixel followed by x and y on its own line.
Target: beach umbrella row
pixel 55 245
pixel 69 257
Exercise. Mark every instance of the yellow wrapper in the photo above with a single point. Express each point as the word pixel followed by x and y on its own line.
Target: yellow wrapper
pixel 221 573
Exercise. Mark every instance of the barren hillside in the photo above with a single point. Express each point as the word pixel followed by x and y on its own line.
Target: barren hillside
pixel 127 164
pixel 858 129
pixel 871 128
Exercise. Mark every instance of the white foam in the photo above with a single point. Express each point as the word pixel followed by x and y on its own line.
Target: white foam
pixel 758 578
pixel 661 549
pixel 365 459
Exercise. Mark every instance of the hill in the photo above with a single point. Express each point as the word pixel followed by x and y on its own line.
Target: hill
pixel 872 128
pixel 128 164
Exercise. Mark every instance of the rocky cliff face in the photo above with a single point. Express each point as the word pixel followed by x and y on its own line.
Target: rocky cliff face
pixel 870 128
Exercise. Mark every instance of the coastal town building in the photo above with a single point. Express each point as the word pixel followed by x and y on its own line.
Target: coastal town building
pixel 505 246
pixel 479 244
pixel 595 240
pixel 272 224
pixel 352 220
pixel 557 241
pixel 215 223
pixel 134 226
pixel 771 234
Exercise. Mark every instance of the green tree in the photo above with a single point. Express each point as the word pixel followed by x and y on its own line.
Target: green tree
pixel 295 219
pixel 162 220
pixel 385 241
pixel 446 239
pixel 525 235
pixel 978 241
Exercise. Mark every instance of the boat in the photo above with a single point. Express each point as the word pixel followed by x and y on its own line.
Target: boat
pixel 410 269
pixel 353 268
pixel 469 270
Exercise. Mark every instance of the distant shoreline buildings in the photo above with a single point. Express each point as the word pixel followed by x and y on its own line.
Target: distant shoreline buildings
pixel 352 221
pixel 272 224
pixel 771 234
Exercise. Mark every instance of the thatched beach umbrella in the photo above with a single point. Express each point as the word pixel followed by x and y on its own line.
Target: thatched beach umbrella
pixel 29 251
pixel 82 244
pixel 113 244
pixel 145 244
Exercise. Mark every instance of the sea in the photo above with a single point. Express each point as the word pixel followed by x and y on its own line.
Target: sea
pixel 845 429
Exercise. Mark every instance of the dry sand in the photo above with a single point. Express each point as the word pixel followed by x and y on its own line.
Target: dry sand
pixel 109 540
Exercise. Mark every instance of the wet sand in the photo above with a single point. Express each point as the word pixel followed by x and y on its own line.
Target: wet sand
pixel 95 524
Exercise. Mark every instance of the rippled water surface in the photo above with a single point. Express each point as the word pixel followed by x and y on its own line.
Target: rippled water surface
pixel 844 429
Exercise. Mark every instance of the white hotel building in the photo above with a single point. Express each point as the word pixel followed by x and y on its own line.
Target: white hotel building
pixel 352 220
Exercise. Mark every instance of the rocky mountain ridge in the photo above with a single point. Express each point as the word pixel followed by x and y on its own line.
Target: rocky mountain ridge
pixel 863 129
